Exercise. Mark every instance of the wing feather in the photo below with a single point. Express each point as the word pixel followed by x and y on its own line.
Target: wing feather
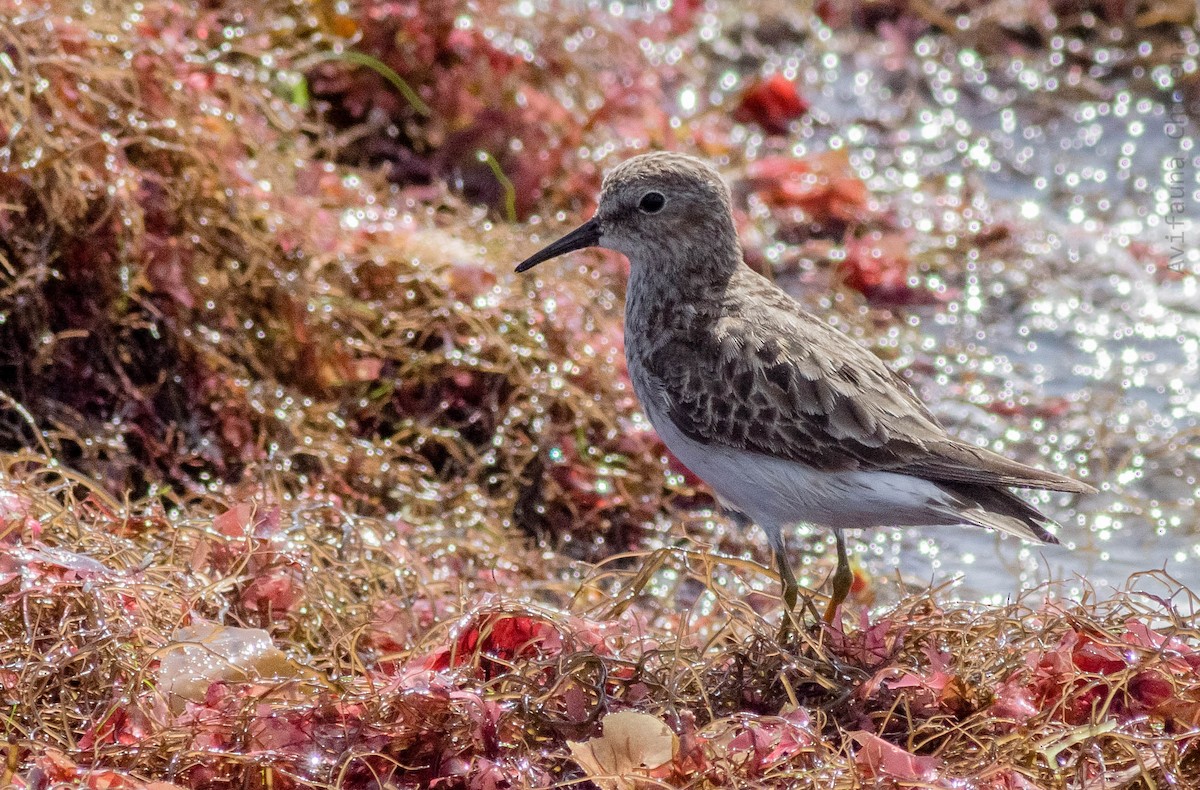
pixel 774 380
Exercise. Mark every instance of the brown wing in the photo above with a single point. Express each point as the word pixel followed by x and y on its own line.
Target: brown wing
pixel 777 381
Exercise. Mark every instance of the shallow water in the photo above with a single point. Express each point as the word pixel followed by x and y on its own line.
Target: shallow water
pixel 1074 342
pixel 1086 323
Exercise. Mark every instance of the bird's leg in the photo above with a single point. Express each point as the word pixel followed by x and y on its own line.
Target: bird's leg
pixel 842 579
pixel 791 590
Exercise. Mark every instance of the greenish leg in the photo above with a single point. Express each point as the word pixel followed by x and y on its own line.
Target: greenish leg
pixel 791 591
pixel 842 579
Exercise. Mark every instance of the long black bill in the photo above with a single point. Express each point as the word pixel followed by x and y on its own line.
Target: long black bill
pixel 586 235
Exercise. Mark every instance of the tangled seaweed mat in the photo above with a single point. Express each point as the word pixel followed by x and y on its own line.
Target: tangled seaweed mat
pixel 298 645
pixel 187 309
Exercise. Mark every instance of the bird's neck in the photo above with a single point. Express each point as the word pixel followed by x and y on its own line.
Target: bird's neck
pixel 674 294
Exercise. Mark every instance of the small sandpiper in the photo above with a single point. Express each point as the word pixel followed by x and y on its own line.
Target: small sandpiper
pixel 786 418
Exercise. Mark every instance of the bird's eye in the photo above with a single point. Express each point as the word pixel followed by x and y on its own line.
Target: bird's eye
pixel 652 202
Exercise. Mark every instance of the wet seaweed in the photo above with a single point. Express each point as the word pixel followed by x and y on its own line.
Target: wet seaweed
pixel 264 372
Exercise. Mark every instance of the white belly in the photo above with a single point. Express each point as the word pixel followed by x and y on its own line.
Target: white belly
pixel 776 493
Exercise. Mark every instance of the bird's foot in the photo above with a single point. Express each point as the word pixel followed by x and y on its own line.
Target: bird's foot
pixel 789 629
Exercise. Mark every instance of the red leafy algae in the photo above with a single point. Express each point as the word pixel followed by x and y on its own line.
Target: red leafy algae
pixel 272 374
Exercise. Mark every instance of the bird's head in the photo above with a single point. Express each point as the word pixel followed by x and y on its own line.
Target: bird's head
pixel 658 209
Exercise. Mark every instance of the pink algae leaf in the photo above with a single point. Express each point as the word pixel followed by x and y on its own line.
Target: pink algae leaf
pixel 53 768
pixel 123 726
pixel 274 732
pixel 880 759
pixel 485 774
pixel 871 645
pixel 1091 655
pixel 1014 700
pixel 278 589
pixel 1151 689
pixel 16 517
pixel 769 740
pixel 1141 635
pixel 247 518
pixel 934 679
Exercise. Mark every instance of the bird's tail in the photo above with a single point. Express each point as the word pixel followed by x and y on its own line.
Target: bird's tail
pixel 997 508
